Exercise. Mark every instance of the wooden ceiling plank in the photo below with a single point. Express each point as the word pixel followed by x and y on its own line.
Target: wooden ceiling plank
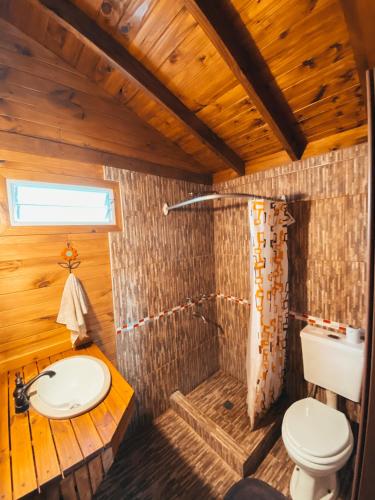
pixel 355 14
pixel 231 38
pixel 90 32
pixel 333 142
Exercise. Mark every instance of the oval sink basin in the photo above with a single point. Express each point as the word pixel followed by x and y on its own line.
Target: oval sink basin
pixel 80 383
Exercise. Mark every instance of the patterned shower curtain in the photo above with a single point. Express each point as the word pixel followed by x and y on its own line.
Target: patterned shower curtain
pixel 269 305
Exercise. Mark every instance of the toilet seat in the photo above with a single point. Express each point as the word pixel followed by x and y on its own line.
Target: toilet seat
pixel 317 433
pixel 319 463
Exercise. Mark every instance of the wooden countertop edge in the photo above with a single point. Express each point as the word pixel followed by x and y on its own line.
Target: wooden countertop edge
pixel 110 418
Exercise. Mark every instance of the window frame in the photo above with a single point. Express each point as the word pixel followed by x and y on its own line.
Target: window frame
pixel 5 219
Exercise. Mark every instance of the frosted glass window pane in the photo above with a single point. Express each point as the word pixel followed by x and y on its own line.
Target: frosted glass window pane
pixel 41 203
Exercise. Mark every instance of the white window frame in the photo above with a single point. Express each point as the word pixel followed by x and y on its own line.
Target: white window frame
pixel 12 185
pixel 11 228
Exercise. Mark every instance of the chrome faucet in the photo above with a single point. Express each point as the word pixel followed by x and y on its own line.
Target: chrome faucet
pixel 21 398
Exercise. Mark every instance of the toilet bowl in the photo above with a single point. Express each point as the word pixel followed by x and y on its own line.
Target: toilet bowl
pixel 319 441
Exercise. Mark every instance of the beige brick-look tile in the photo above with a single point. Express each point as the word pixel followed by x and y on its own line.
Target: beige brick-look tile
pixel 327 251
pixel 158 261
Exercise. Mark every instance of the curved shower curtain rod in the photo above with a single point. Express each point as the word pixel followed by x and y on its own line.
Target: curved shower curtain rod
pixel 198 197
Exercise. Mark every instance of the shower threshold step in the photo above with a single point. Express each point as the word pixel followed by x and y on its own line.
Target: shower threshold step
pixel 242 455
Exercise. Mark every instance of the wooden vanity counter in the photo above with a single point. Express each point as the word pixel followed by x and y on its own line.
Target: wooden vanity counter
pixel 60 458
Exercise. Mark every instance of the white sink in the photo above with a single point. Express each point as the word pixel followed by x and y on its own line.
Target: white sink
pixel 80 383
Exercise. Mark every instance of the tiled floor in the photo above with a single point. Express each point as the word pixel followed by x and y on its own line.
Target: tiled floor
pixel 276 469
pixel 210 398
pixel 170 461
pixel 167 462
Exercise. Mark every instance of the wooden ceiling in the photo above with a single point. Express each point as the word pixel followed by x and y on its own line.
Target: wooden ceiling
pixel 237 84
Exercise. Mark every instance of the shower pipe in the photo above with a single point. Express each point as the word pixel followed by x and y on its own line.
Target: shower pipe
pixel 199 197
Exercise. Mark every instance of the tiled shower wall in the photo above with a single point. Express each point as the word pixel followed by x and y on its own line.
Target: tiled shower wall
pixel 327 250
pixel 157 262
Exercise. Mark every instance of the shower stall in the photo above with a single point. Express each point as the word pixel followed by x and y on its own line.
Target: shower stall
pixel 238 408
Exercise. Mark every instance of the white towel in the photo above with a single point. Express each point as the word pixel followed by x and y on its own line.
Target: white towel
pixel 73 307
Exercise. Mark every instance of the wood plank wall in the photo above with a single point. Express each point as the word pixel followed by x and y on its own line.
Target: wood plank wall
pixel 43 97
pixel 157 263
pixel 51 104
pixel 327 251
pixel 31 282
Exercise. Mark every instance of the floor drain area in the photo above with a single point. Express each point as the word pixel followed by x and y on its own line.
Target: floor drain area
pixel 228 405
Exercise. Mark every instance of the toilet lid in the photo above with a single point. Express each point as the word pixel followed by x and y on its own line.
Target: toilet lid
pixel 316 429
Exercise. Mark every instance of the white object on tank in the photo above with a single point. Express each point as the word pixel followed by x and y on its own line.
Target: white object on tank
pixel 331 362
pixel 353 335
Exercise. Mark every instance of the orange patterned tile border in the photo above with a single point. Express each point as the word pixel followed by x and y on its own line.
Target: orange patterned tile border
pixel 167 312
pixel 324 323
pixel 311 320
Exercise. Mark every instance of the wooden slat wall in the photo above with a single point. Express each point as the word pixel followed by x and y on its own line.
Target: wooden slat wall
pixel 31 282
pixel 42 97
pixel 327 246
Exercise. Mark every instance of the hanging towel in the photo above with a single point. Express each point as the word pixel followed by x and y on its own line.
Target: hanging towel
pixel 73 307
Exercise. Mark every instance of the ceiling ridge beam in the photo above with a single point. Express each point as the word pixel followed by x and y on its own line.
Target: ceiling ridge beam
pixel 88 31
pixel 227 32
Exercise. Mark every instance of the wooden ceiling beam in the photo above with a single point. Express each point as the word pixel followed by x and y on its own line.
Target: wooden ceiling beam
pixel 17 147
pixel 89 32
pixel 224 27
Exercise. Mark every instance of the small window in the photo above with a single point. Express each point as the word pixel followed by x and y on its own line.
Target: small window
pixel 47 204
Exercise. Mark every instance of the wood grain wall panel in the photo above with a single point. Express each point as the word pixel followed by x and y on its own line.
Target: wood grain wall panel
pixel 99 70
pixel 327 196
pixel 31 282
pixel 41 96
pixel 157 262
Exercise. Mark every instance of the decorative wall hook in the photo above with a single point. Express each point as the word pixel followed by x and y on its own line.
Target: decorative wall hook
pixel 69 254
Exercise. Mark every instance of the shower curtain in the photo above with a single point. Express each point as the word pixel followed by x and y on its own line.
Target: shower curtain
pixel 269 305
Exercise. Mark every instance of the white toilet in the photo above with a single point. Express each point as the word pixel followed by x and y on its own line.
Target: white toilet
pixel 317 436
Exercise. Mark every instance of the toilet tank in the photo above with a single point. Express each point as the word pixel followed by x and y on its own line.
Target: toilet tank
pixel 331 362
